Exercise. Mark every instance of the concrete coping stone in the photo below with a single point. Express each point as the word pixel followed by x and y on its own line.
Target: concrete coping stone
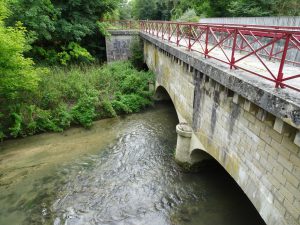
pixel 123 32
pixel 184 130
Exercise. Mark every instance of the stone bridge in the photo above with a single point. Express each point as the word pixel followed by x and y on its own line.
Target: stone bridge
pixel 250 129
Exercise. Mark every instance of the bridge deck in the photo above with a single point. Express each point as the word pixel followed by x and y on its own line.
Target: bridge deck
pixel 251 62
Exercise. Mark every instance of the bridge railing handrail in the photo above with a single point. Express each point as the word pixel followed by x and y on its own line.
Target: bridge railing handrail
pixel 271 29
pixel 258 41
pixel 277 29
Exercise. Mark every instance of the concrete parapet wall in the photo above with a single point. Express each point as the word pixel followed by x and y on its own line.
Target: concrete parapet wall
pixel 292 21
pixel 252 131
pixel 118 44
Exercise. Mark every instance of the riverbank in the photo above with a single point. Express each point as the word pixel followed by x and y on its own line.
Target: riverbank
pixel 76 95
pixel 121 171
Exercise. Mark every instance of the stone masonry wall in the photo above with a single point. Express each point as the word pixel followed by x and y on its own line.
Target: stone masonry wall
pixel 118 44
pixel 258 149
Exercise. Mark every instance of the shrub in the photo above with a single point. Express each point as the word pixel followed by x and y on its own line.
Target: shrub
pixel 137 54
pixel 189 16
pixel 77 95
pixel 84 112
pixel 18 74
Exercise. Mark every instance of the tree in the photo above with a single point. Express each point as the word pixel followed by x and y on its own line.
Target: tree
pixel 251 8
pixel 55 24
pixel 189 16
pixel 144 9
pixel 125 9
pixel 264 8
pixel 17 73
pixel 287 8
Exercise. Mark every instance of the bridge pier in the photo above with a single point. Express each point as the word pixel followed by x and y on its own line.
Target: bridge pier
pixel 184 135
pixel 189 151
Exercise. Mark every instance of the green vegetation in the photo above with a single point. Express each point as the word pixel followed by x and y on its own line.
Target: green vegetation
pixel 39 98
pixel 62 32
pixel 175 9
pixel 189 16
pixel 50 77
pixel 137 57
pixel 77 95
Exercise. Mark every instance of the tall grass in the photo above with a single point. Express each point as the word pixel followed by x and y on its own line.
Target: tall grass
pixel 77 95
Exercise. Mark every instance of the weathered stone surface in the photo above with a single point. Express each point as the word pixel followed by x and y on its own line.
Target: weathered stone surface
pixel 297 139
pixel 118 44
pixel 237 132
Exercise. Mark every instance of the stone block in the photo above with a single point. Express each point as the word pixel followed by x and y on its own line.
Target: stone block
pixel 276 165
pixel 237 99
pixel 291 178
pixel 278 195
pixel 249 106
pixel 295 160
pixel 291 209
pixel 280 126
pixel 261 114
pixel 250 117
pixel 290 220
pixel 271 152
pixel 280 149
pixel 279 177
pixel 280 207
pixel 293 190
pixel 287 142
pixel 286 193
pixel 255 129
pixel 297 139
pixel 265 137
pixel 274 135
pixel 285 163
pixel 265 164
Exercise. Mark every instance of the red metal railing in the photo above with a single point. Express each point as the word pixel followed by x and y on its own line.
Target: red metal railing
pixel 269 52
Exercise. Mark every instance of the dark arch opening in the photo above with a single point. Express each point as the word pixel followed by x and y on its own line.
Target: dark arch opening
pixel 161 94
pixel 209 168
pixel 206 165
pixel 199 156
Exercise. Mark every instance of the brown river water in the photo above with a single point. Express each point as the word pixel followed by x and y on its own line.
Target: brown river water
pixel 120 172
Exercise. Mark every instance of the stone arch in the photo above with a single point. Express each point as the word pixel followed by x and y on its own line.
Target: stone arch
pixel 162 94
pixel 199 155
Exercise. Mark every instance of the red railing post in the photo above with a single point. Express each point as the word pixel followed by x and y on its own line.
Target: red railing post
pixel 152 27
pixel 206 42
pixel 232 61
pixel 272 48
pixel 169 31
pixel 242 45
pixel 280 71
pixel 190 35
pixel 162 31
pixel 177 41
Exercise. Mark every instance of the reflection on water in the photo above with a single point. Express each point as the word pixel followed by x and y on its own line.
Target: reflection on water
pixel 119 172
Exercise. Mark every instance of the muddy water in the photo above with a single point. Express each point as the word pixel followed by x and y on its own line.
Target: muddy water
pixel 121 172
